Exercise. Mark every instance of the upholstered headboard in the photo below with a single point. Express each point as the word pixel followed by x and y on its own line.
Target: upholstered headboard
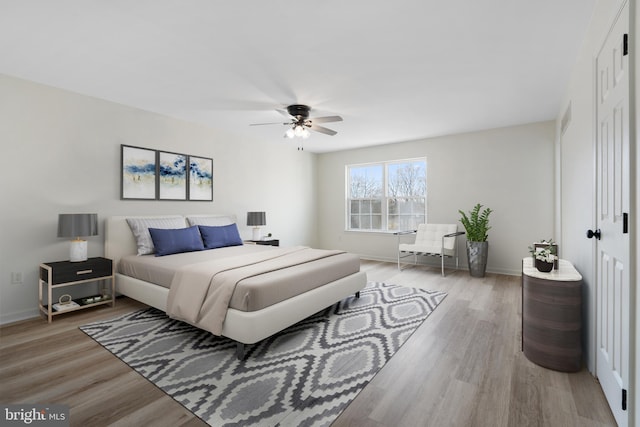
pixel 119 240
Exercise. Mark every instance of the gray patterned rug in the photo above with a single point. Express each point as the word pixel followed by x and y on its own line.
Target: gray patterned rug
pixel 303 376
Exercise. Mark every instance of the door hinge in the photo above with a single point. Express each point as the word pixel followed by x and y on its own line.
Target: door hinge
pixel 625 45
pixel 625 223
pixel 624 399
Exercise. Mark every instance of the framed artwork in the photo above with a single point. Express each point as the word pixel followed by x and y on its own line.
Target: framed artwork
pixel 139 171
pixel 172 176
pixel 200 178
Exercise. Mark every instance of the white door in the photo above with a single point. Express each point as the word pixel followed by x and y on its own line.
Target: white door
pixel 613 192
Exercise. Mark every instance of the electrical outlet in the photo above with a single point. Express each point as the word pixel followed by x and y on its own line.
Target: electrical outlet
pixel 16 278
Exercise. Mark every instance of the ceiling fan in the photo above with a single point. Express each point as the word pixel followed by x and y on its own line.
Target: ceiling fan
pixel 300 123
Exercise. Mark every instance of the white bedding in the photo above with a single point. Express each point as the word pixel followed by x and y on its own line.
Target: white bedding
pixel 161 270
pixel 243 327
pixel 200 293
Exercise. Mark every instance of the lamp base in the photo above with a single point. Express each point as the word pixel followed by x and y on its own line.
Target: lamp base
pixel 78 251
pixel 256 233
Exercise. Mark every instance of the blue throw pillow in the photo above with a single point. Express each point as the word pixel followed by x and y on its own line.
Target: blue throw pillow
pixel 169 241
pixel 220 236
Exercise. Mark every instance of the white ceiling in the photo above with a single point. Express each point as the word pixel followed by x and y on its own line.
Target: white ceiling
pixel 394 70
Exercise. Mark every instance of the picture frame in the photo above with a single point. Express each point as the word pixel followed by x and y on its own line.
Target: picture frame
pixel 172 175
pixel 139 169
pixel 200 178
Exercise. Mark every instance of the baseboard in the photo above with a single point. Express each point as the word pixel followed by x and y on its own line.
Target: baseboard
pixel 5 319
pixel 505 271
pixel 374 258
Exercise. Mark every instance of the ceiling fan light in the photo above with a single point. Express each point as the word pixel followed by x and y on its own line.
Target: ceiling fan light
pixel 299 124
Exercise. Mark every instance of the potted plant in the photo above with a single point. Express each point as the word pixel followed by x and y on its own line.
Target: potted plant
pixel 476 225
pixel 545 256
pixel 553 246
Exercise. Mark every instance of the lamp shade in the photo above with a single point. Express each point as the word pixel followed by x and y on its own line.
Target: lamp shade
pixel 77 225
pixel 256 218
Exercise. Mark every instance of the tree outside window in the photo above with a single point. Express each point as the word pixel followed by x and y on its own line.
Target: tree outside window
pixel 388 196
pixel 366 184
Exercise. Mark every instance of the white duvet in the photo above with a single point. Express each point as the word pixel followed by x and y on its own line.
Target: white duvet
pixel 200 293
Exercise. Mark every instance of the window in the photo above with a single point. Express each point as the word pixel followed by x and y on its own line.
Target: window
pixel 387 196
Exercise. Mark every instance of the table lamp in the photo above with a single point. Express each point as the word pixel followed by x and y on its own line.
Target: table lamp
pixel 77 226
pixel 256 219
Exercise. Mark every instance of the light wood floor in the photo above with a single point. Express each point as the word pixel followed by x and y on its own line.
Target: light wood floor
pixel 462 367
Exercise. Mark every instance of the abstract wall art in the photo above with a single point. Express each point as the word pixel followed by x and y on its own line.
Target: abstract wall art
pixel 172 176
pixel 200 178
pixel 138 179
pixel 162 175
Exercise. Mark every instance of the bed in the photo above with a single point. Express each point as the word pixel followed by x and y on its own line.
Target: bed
pixel 243 324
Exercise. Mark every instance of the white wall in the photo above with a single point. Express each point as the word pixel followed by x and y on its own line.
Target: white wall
pixel 510 170
pixel 577 163
pixel 578 175
pixel 61 154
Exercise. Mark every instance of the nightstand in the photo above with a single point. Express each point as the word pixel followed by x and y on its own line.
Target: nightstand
pixel 552 316
pixel 60 274
pixel 271 242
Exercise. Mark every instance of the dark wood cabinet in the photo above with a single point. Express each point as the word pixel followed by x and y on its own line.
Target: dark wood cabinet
pixel 552 316
pixel 67 271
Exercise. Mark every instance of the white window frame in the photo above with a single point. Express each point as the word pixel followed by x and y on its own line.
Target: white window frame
pixel 384 199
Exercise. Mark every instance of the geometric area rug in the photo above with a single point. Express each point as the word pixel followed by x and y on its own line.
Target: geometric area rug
pixel 305 375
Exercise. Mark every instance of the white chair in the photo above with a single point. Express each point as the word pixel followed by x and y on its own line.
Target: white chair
pixel 431 240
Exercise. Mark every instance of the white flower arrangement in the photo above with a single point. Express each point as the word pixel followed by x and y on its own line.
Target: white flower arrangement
pixel 545 255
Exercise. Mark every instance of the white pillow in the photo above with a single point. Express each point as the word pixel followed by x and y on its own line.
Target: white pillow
pixel 211 220
pixel 140 229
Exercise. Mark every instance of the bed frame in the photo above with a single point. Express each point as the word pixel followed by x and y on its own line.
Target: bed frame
pixel 241 326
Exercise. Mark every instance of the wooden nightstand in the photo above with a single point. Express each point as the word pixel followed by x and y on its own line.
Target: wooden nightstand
pixel 271 242
pixel 59 274
pixel 552 316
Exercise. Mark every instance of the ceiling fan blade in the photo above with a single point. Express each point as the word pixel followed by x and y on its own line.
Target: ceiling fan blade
pixel 326 119
pixel 322 129
pixel 228 104
pixel 284 113
pixel 274 123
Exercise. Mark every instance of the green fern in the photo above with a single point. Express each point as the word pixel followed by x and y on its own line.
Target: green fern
pixel 476 224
